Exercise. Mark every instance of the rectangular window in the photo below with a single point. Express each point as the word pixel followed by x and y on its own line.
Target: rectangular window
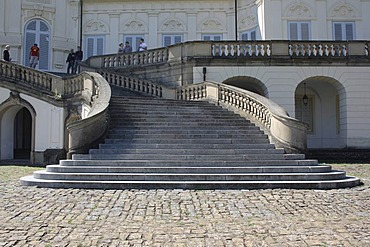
pixel 344 30
pixel 299 31
pixel 249 35
pixel 212 37
pixel 94 46
pixel 134 40
pixel 171 39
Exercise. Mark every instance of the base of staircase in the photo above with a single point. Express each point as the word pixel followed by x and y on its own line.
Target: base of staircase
pixel 193 185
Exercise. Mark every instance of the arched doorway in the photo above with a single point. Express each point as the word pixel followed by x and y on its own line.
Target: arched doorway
pixel 37 32
pixel 322 111
pixel 22 134
pixel 17 128
pixel 248 83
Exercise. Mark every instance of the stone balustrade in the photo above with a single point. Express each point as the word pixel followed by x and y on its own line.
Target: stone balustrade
pixel 285 132
pixel 136 58
pixel 234 50
pixel 49 84
pixel 241 49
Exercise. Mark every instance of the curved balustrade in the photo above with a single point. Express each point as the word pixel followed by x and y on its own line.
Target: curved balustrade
pixel 241 49
pixel 285 131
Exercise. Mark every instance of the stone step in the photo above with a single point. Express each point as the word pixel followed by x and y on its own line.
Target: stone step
pixel 190 169
pixel 181 151
pixel 196 157
pixel 333 175
pixel 191 185
pixel 187 141
pixel 185 136
pixel 227 146
pixel 83 160
pixel 189 131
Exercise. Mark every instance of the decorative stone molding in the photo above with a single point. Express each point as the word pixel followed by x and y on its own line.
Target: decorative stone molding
pixel 96 26
pixel 133 26
pixel 343 10
pixel 248 22
pixel 212 25
pixel 172 25
pixel 41 1
pixel 299 10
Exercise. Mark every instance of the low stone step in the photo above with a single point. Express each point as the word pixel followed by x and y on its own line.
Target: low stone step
pixel 83 160
pixel 204 185
pixel 197 157
pixel 182 151
pixel 122 145
pixel 187 141
pixel 333 175
pixel 189 131
pixel 185 136
pixel 174 170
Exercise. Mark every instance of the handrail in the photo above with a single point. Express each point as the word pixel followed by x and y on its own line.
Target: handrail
pixel 284 131
pixel 49 84
pixel 258 49
pixel 87 131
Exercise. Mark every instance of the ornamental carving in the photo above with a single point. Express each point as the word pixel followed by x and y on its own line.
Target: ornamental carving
pixel 212 25
pixel 343 11
pixel 133 26
pixel 173 25
pixel 248 22
pixel 40 1
pixel 96 26
pixel 299 10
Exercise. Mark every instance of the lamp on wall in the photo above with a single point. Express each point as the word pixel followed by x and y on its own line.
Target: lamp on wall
pixel 305 98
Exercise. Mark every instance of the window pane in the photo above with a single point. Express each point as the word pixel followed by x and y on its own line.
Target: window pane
pixel 178 39
pixel 207 38
pixel 305 31
pixel 349 31
pixel 31 25
pixel 253 35
pixel 244 36
pixel 166 40
pixel 217 38
pixel 43 27
pixel 293 31
pixel 90 47
pixel 44 51
pixel 100 46
pixel 337 31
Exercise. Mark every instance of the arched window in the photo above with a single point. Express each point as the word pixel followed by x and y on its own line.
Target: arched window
pixel 37 32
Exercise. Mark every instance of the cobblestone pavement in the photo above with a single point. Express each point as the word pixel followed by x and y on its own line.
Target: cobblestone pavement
pixel 32 216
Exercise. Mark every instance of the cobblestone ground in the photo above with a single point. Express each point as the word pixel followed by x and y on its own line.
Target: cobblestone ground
pixel 32 216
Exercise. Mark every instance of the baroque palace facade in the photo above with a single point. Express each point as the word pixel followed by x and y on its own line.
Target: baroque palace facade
pixel 338 107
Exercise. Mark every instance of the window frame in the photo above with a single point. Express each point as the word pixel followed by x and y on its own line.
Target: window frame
pixel 299 30
pixel 212 36
pixel 173 38
pixel 249 34
pixel 344 30
pixel 95 51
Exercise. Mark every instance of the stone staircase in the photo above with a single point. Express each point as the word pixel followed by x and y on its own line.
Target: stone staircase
pixel 156 143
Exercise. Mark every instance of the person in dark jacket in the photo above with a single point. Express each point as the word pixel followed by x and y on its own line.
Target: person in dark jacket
pixel 6 54
pixel 71 61
pixel 79 56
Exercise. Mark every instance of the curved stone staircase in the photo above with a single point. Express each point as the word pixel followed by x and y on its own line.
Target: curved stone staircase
pixel 156 143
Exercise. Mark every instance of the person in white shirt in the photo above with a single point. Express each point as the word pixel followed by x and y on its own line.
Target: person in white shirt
pixel 142 45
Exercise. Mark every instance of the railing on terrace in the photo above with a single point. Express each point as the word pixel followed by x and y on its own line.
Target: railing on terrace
pixel 234 49
pixel 34 79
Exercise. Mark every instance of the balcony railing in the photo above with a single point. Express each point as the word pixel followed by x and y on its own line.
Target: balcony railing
pixel 235 50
